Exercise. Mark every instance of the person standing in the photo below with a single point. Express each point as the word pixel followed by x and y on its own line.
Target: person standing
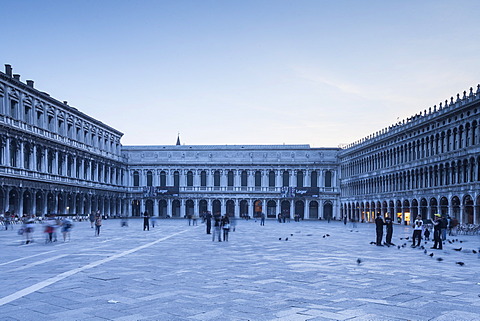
pixel 417 231
pixel 98 224
pixel 437 233
pixel 262 219
pixel 379 229
pixel 217 228
pixel 444 223
pixel 389 229
pixel 146 224
pixel 208 220
pixel 225 227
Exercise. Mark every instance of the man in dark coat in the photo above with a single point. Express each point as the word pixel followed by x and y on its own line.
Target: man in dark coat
pixel 389 229
pixel 146 223
pixel 437 233
pixel 379 229
pixel 208 221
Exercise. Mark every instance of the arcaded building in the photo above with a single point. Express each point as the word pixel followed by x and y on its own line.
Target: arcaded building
pixel 426 164
pixel 53 158
pixel 241 180
pixel 56 159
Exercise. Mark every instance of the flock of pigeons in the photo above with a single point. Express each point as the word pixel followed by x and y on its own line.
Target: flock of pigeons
pixel 422 247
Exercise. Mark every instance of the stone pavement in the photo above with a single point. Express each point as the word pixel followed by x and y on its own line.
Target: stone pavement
pixel 175 272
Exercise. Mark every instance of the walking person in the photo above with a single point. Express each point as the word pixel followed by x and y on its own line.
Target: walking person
pixel 262 219
pixel 67 225
pixel 437 233
pixel 379 229
pixel 225 227
pixel 98 224
pixel 417 231
pixel 146 223
pixel 91 217
pixel 217 228
pixel 389 229
pixel 7 220
pixel 28 229
pixel 208 220
pixel 49 229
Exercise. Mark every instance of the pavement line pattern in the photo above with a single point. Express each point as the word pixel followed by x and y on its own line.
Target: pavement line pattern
pixel 40 285
pixel 53 258
pixel 25 258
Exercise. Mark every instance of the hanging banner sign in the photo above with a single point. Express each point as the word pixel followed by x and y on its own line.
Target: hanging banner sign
pixel 291 192
pixel 155 191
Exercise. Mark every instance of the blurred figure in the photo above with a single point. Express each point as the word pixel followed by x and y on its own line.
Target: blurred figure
pixel 154 221
pixel 225 223
pixel 49 229
pixel 7 220
pixel 98 224
pixel 208 220
pixel 124 221
pixel 91 217
pixel 262 219
pixel 217 228
pixel 67 226
pixel 194 219
pixel 29 229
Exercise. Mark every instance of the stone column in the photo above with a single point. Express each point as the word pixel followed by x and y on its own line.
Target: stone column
pixel 7 152
pixel 21 160
pixel 169 207
pixel 182 208
pixel 292 208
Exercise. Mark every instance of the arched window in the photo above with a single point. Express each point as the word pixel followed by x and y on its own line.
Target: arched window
pixel 230 180
pixel 271 179
pixel 136 178
pixel 216 178
pixel 163 178
pixel 258 179
pixel 176 179
pixel 328 179
pixel 189 178
pixel 149 178
pixel 300 179
pixel 203 179
pixel 286 179
pixel 314 179
pixel 244 179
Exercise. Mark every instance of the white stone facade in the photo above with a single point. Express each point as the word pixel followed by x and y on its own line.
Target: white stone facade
pixel 427 164
pixel 55 159
pixel 238 180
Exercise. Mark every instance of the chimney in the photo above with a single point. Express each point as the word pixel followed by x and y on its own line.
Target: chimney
pixel 16 77
pixel 8 70
pixel 30 83
pixel 65 102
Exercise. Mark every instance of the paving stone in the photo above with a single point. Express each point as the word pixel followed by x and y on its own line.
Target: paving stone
pixel 254 276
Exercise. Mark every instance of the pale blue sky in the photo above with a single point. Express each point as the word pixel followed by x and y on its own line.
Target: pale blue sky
pixel 322 73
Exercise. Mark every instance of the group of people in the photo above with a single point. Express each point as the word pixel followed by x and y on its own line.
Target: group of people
pixel 420 230
pixel 221 225
pixel 96 221
pixel 379 224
